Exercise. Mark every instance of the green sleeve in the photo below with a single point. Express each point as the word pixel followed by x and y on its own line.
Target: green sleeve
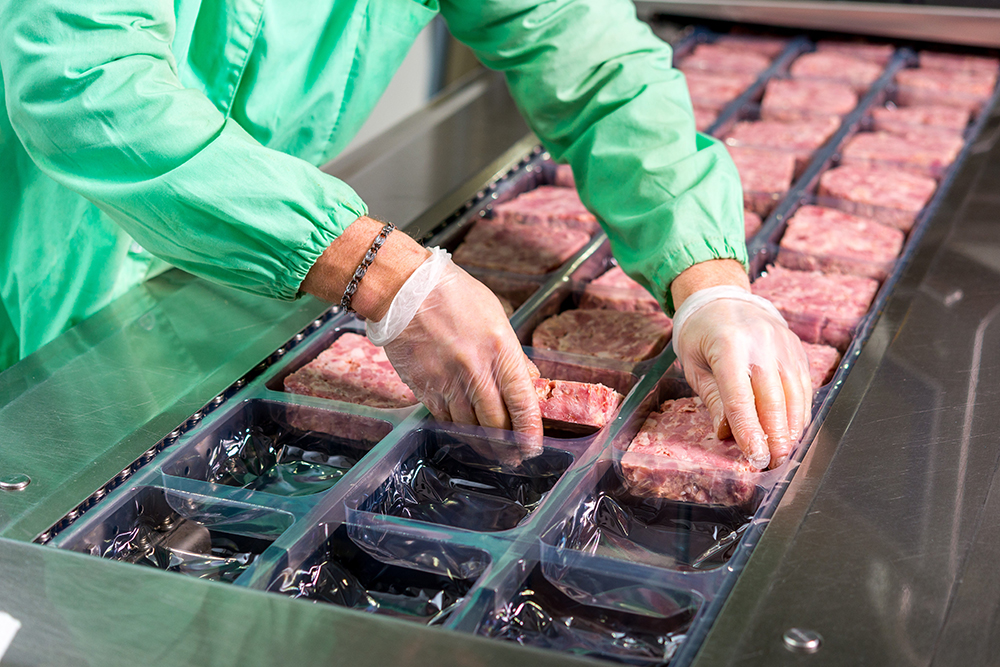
pixel 96 101
pixel 598 88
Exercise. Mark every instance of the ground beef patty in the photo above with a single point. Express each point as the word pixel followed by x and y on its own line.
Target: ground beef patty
pixel 609 334
pixel 677 456
pixel 833 241
pixel 839 67
pixel 794 99
pixel 513 247
pixel 614 290
pixel 819 308
pixel 883 194
pixel 355 371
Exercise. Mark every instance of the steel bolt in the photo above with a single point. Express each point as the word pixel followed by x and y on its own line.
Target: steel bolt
pixel 14 482
pixel 799 640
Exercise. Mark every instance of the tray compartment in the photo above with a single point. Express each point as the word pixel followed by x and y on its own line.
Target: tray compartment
pixel 180 532
pixel 278 448
pixel 463 478
pixel 340 565
pixel 620 616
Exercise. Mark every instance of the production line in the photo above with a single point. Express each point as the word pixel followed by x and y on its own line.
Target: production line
pixel 593 547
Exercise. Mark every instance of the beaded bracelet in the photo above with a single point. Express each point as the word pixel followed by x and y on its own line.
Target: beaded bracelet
pixel 366 261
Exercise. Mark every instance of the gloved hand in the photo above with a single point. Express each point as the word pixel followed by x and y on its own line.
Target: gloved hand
pixel 749 369
pixel 448 337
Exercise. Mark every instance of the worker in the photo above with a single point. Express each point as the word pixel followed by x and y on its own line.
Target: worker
pixel 141 134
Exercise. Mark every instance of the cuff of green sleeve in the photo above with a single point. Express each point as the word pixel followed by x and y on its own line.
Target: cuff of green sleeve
pixel 686 257
pixel 324 233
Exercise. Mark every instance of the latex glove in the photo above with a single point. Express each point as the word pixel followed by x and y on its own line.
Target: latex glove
pixel 750 370
pixel 448 337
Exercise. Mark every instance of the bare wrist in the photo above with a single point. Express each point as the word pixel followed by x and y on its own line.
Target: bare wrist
pixel 713 273
pixel 396 260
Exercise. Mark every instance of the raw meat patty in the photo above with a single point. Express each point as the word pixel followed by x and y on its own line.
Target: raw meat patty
pixel 876 53
pixel 516 248
pixel 355 371
pixel 823 361
pixel 576 402
pixel 766 175
pixel 751 223
pixel 616 291
pixel 769 47
pixel 903 119
pixel 957 62
pixel 966 90
pixel 340 424
pixel 677 456
pixel 801 138
pixel 564 176
pixel 723 60
pixel 704 117
pixel 609 334
pixel 890 196
pixel 832 241
pixel 548 205
pixel 832 66
pixel 714 91
pixel 820 308
pixel 797 99
pixel 923 150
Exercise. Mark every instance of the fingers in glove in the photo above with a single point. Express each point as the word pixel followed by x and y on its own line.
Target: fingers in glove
pixel 797 400
pixel 736 393
pixel 772 410
pixel 461 410
pixel 522 405
pixel 750 439
pixel 489 408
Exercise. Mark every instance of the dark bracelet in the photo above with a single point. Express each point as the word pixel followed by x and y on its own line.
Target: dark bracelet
pixel 366 261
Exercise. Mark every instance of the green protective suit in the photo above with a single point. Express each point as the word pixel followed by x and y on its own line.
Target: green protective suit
pixel 142 132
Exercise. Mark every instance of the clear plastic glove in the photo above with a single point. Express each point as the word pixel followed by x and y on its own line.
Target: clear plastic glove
pixel 749 369
pixel 448 337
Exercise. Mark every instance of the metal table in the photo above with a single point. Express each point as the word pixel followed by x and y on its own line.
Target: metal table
pixel 882 544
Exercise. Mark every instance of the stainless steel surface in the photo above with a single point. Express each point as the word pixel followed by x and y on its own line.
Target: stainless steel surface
pixel 954 25
pixel 886 540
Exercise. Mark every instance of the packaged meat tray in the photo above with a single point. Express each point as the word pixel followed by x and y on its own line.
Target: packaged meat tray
pixel 829 240
pixel 957 62
pixel 769 47
pixel 616 291
pixel 819 308
pixel 836 67
pixel 928 151
pixel 548 205
pixel 883 194
pixel 751 223
pixel 876 53
pixel 766 175
pixel 965 90
pixel 354 371
pixel 516 248
pixel 710 90
pixel 607 334
pixel 723 60
pixel 901 120
pixel 799 99
pixel 823 361
pixel 676 455
pixel 801 138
